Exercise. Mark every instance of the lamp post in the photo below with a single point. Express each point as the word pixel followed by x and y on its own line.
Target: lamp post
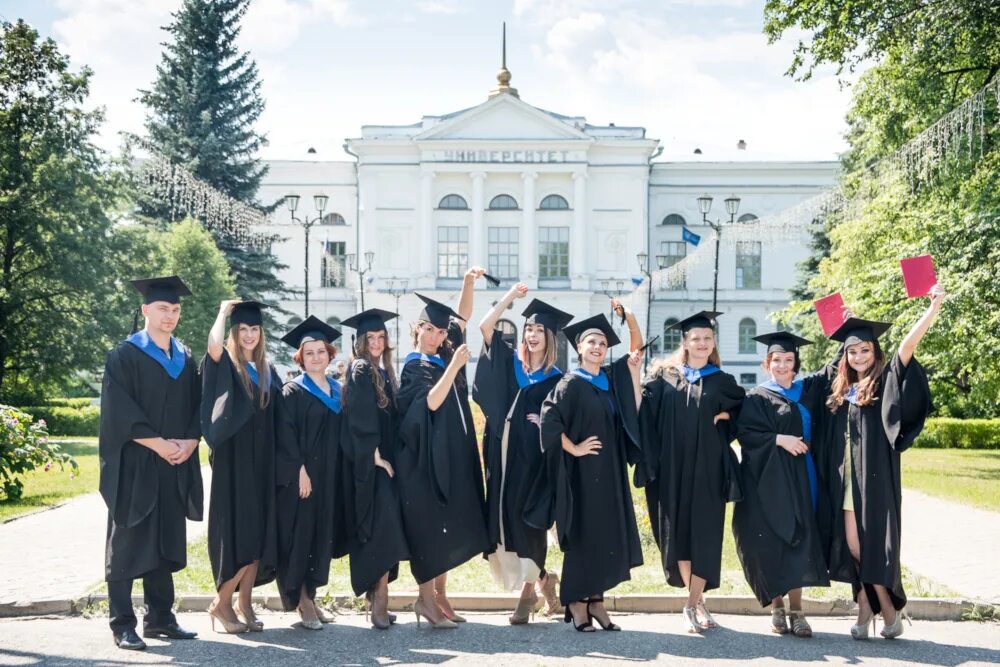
pixel 619 289
pixel 397 292
pixel 644 268
pixel 355 266
pixel 705 205
pixel 319 201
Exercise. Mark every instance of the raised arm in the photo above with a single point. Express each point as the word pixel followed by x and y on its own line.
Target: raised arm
pixel 468 288
pixel 489 321
pixel 909 344
pixel 634 333
pixel 217 335
pixel 439 392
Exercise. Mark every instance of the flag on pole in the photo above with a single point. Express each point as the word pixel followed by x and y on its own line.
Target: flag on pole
pixel 690 237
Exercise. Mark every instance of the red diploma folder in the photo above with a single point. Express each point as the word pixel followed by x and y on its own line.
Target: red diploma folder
pixel 918 275
pixel 831 312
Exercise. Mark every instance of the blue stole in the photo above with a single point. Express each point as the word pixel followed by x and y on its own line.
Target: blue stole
pixel 794 394
pixel 600 380
pixel 852 395
pixel 432 358
pixel 534 377
pixel 693 375
pixel 173 365
pixel 252 372
pixel 331 400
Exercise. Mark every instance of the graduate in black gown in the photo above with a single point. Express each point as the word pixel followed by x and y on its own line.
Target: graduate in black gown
pixel 150 475
pixel 308 467
pixel 438 466
pixel 878 408
pixel 688 420
pixel 241 399
pixel 370 444
pixel 590 433
pixel 778 538
pixel 510 386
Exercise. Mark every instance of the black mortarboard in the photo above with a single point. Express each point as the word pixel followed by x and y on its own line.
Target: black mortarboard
pixel 312 328
pixel 856 330
pixel 539 312
pixel 703 320
pixel 247 312
pixel 782 341
pixel 166 288
pixel 576 331
pixel 373 319
pixel 436 312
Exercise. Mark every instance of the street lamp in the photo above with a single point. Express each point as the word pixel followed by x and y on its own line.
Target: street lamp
pixel 732 207
pixel 646 270
pixel 356 267
pixel 397 292
pixel 319 201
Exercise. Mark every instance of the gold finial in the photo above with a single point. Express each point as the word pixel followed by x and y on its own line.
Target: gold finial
pixel 503 76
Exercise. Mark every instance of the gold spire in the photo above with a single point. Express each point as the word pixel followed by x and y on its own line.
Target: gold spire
pixel 503 76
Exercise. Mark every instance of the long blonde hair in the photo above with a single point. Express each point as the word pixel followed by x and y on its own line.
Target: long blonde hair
pixel 360 351
pixel 867 383
pixel 672 363
pixel 259 359
pixel 548 361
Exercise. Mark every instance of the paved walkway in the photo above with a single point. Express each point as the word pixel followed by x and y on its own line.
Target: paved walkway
pixel 58 554
pixel 488 640
pixel 953 544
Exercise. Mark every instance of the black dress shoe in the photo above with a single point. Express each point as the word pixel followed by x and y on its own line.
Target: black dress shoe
pixel 170 631
pixel 128 640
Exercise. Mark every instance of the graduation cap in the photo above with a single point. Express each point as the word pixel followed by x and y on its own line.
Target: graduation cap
pixel 373 319
pixel 596 324
pixel 165 288
pixel 782 341
pixel 856 330
pixel 703 320
pixel 310 329
pixel 539 312
pixel 436 312
pixel 247 312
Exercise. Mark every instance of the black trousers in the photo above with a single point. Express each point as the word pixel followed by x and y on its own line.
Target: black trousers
pixel 158 593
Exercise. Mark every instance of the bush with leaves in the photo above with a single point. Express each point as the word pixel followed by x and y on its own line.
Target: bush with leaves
pixel 25 446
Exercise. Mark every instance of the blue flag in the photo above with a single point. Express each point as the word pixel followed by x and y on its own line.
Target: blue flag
pixel 690 237
pixel 637 281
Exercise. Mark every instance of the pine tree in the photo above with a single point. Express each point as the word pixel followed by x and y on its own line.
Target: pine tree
pixel 202 110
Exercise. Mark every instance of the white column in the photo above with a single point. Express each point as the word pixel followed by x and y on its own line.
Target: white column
pixel 578 234
pixel 477 234
pixel 425 229
pixel 528 240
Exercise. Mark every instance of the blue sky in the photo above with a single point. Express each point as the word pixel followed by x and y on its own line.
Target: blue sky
pixel 695 73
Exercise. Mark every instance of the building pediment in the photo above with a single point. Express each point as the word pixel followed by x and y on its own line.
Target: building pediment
pixel 501 118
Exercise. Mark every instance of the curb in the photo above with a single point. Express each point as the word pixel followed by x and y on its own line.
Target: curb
pixel 928 609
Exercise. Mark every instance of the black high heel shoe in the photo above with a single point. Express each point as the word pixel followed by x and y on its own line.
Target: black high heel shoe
pixel 611 626
pixel 587 626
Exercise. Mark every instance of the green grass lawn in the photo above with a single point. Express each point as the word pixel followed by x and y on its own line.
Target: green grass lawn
pixel 969 476
pixel 45 489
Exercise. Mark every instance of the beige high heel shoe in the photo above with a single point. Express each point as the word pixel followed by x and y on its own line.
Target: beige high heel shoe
pixel 228 627
pixel 252 622
pixel 525 610
pixel 443 624
pixel 859 631
pixel 548 590
pixel 895 629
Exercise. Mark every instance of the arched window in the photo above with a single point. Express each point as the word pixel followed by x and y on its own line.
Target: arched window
pixel 454 202
pixel 333 219
pixel 508 331
pixel 333 321
pixel 747 217
pixel 294 321
pixel 554 203
pixel 748 329
pixel 674 219
pixel 671 337
pixel 503 203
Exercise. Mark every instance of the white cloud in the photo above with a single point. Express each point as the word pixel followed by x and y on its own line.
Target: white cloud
pixel 438 7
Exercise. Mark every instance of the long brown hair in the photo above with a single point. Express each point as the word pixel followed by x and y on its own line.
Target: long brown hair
pixel 259 359
pixel 360 351
pixel 446 351
pixel 867 384
pixel 548 361
pixel 671 364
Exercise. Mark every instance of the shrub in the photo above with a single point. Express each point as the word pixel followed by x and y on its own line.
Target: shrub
pixel 70 402
pixel 62 420
pixel 950 433
pixel 25 446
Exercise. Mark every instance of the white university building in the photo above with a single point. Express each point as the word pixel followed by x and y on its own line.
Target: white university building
pixel 538 197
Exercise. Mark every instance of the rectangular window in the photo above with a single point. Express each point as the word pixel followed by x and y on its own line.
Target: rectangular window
pixel 553 253
pixel 674 251
pixel 748 265
pixel 453 251
pixel 748 380
pixel 502 252
pixel 333 264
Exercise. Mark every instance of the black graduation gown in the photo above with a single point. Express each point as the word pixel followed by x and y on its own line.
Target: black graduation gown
pixel 507 489
pixel 591 499
pixel 879 434
pixel 374 516
pixel 778 540
pixel 148 499
pixel 686 469
pixel 311 531
pixel 440 475
pixel 241 514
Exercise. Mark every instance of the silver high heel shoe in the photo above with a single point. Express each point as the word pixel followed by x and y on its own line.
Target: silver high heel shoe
pixel 691 620
pixel 896 628
pixel 859 631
